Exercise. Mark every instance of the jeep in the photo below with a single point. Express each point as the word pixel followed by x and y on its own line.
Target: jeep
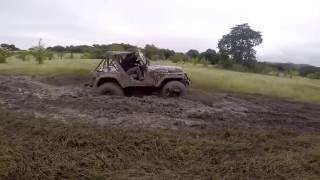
pixel 121 72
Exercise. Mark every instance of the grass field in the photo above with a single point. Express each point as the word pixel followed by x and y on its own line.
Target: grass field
pixel 208 78
pixel 32 148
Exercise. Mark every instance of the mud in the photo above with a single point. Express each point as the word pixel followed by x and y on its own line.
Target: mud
pixel 66 99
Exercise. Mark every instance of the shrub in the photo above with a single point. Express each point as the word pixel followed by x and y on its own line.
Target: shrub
pixel 195 61
pixel 23 55
pixel 155 57
pixel 315 75
pixel 39 52
pixel 179 57
pixel 204 62
pixel 4 54
pixel 49 55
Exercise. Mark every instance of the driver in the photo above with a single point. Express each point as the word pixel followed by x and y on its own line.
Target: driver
pixel 132 65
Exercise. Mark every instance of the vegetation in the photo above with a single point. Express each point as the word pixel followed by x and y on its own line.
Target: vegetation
pixel 23 55
pixel 208 78
pixel 39 52
pixel 239 43
pixel 4 54
pixel 49 68
pixel 33 148
pixel 236 52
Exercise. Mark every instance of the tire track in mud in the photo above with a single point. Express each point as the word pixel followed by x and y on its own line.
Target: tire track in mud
pixel 65 100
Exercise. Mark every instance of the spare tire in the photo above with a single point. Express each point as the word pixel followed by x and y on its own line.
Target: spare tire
pixel 173 89
pixel 110 88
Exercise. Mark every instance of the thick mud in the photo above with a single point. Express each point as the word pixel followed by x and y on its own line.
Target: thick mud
pixel 64 99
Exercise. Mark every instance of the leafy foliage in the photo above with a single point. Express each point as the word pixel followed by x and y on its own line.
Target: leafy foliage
pixel 9 47
pixel 39 52
pixel 4 54
pixel 239 44
pixel 211 56
pixel 49 54
pixel 192 53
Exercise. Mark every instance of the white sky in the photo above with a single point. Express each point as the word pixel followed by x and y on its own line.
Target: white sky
pixel 290 28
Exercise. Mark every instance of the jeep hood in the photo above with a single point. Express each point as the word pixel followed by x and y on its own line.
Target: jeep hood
pixel 164 69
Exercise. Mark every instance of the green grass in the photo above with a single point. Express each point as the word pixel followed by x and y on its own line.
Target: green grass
pixel 33 148
pixel 296 88
pixel 208 78
pixel 50 67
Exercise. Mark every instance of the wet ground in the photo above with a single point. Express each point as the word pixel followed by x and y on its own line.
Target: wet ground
pixel 63 99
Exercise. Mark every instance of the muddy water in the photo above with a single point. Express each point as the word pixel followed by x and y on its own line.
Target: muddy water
pixel 64 99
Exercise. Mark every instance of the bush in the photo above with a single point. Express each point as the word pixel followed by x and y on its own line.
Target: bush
pixel 225 62
pixel 239 67
pixel 204 62
pixel 315 75
pixel 195 61
pixel 23 55
pixel 49 55
pixel 39 52
pixel 178 57
pixel 4 54
pixel 88 56
pixel 156 57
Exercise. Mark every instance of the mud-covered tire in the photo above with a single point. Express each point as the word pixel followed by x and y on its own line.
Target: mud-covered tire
pixel 173 89
pixel 110 88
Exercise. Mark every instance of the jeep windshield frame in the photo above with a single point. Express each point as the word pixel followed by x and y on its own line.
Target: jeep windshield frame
pixel 113 58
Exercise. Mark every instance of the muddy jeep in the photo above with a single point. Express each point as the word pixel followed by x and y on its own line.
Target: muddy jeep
pixel 119 73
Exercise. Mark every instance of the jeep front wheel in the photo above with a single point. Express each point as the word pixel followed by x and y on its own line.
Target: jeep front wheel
pixel 110 88
pixel 173 89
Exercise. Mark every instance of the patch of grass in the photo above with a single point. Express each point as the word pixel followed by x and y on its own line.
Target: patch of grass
pixel 41 149
pixel 49 68
pixel 207 78
pixel 296 88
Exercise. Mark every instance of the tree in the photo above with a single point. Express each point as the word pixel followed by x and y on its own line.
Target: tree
pixel 210 55
pixel 4 54
pixel 239 44
pixel 58 49
pixel 49 54
pixel 167 53
pixel 192 53
pixel 23 55
pixel 151 50
pixel 178 57
pixel 9 47
pixel 39 52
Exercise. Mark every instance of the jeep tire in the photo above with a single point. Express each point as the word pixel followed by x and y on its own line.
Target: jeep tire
pixel 173 89
pixel 110 88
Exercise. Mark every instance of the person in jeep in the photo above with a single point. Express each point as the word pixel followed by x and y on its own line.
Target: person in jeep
pixel 133 66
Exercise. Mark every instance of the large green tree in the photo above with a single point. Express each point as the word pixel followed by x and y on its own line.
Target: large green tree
pixel 210 55
pixel 192 53
pixel 239 44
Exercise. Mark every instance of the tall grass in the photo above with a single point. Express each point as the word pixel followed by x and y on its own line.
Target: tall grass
pixel 50 67
pixel 208 78
pixel 296 88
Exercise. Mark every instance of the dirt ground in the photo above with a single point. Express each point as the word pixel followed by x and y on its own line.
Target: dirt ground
pixel 63 99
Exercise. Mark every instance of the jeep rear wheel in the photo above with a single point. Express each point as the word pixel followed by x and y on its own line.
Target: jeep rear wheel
pixel 110 88
pixel 173 89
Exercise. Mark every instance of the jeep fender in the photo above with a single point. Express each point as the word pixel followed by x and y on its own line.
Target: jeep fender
pixel 102 80
pixel 166 79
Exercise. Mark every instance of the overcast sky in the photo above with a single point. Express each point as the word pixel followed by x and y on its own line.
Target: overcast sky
pixel 290 28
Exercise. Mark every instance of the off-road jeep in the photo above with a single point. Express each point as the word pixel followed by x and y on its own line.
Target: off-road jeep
pixel 121 72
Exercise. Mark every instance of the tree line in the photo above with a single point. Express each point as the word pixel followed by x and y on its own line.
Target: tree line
pixel 235 51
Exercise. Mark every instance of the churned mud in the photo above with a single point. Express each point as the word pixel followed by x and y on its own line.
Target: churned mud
pixel 65 98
